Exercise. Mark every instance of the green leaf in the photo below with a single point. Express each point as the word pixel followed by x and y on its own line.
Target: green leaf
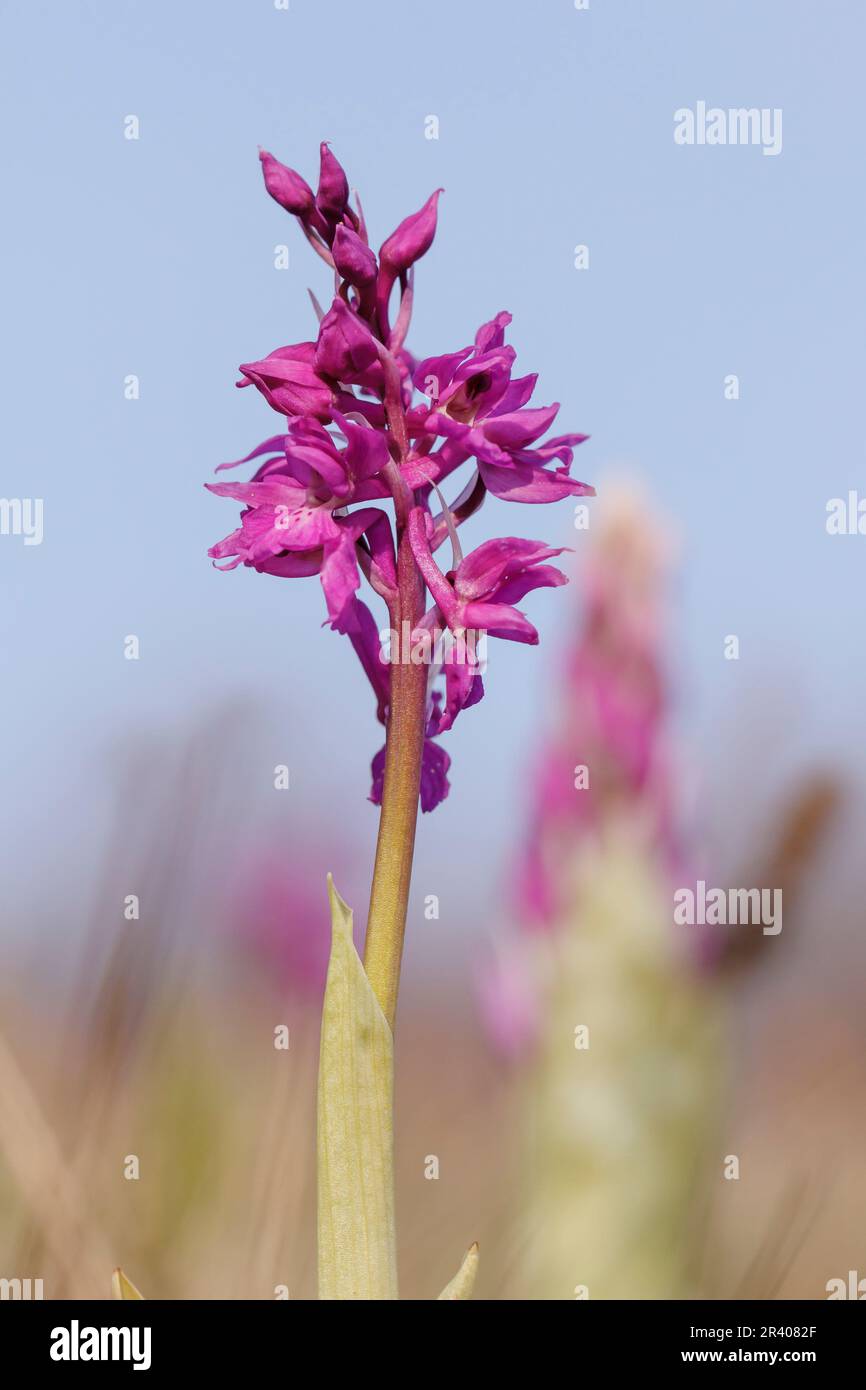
pixel 357 1244
pixel 121 1287
pixel 463 1283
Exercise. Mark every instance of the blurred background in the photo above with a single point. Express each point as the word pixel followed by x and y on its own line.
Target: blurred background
pixel 151 1035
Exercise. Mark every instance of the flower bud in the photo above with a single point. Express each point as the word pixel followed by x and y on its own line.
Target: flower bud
pixel 285 186
pixel 345 348
pixel 332 194
pixel 412 238
pixel 353 259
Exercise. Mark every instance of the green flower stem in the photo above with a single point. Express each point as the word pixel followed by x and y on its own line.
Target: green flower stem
pixel 392 873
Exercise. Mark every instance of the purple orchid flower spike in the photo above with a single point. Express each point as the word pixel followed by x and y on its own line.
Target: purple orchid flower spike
pixel 351 491
pixel 357 433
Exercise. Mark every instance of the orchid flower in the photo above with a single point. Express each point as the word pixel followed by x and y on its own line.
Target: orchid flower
pixel 355 434
pixel 350 490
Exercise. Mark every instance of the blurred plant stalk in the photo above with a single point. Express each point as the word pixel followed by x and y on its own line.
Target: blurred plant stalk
pixel 621 1094
pixel 620 1085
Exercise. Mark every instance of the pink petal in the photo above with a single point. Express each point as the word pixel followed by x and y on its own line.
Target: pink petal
pixel 276 444
pixel 500 621
pixel 523 482
pixel 433 375
pixel 435 786
pixel 492 334
pixel 539 577
pixel 485 568
pixel 521 427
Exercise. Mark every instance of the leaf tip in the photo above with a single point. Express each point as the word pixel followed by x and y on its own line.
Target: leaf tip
pixel 463 1283
pixel 123 1288
pixel 341 913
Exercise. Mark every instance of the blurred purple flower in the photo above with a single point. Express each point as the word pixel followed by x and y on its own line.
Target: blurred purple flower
pixel 612 706
pixel 276 912
pixel 508 1000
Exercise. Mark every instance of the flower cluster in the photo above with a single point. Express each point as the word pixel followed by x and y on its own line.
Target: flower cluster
pixel 366 424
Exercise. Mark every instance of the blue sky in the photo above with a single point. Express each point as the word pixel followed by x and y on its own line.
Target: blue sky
pixel 155 257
